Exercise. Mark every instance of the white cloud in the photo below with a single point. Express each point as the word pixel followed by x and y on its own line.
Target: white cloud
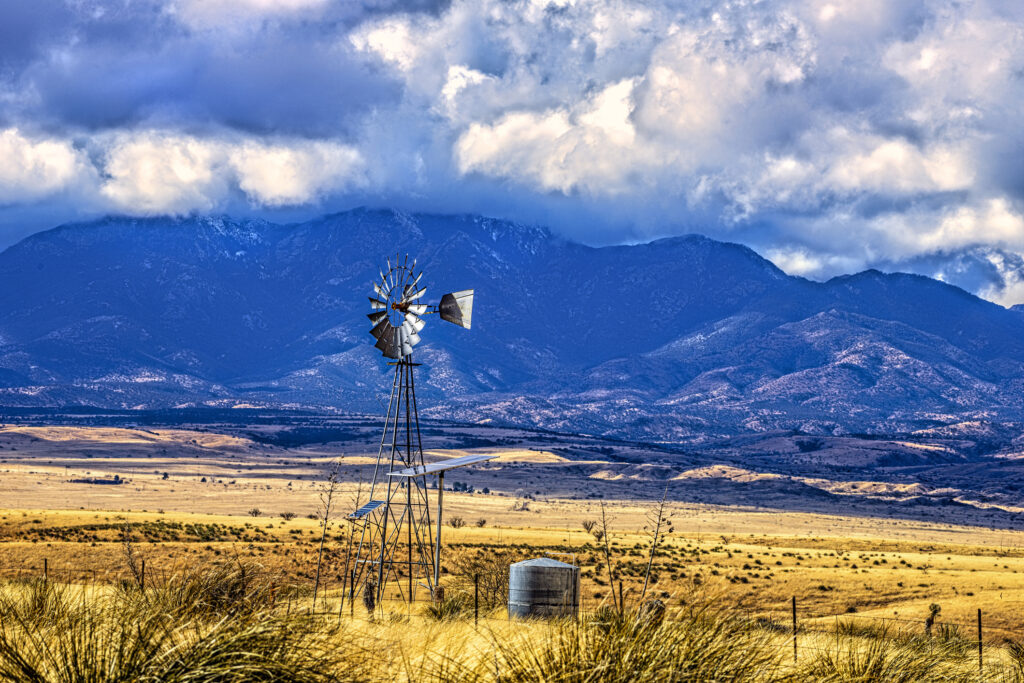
pixel 895 166
pixel 35 168
pixel 392 40
pixel 164 173
pixel 160 172
pixel 994 222
pixel 300 173
pixel 592 148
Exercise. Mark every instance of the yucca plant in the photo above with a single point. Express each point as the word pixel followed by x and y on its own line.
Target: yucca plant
pixel 189 632
pixel 891 658
pixel 450 607
pixel 703 644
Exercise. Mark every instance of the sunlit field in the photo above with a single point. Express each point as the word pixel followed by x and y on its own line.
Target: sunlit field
pixel 195 543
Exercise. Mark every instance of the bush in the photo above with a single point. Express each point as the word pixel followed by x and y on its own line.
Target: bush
pixel 888 657
pixel 701 645
pixel 450 607
pixel 126 636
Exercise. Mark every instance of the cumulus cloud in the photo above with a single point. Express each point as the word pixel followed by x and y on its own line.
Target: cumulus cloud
pixel 831 136
pixel 160 172
pixel 35 168
pixel 281 174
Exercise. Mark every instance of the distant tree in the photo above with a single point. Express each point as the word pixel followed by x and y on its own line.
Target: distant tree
pixel 481 522
pixel 588 525
pixel 255 512
pixel 456 522
pixel 287 516
pixel 165 476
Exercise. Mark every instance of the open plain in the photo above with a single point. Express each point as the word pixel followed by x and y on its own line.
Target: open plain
pixel 180 497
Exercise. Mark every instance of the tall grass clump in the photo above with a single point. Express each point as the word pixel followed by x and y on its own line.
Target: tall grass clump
pixel 891 658
pixel 702 644
pixel 229 589
pixel 449 608
pixel 192 629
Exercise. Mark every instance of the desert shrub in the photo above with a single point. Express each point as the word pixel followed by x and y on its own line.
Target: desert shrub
pixel 217 590
pixel 706 644
pixel 452 606
pixel 34 600
pixel 890 658
pixel 122 637
pixel 861 628
pixel 456 522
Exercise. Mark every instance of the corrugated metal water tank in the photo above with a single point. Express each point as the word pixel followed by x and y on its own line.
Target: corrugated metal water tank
pixel 543 587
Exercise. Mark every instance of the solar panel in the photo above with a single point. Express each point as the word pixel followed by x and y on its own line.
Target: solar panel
pixel 435 467
pixel 366 509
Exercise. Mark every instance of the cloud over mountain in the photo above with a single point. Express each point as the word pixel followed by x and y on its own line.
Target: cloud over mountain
pixel 829 136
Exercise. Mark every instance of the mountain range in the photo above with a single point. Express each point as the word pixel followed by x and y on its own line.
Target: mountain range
pixel 681 339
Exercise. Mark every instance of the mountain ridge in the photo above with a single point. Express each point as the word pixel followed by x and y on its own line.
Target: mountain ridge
pixel 680 338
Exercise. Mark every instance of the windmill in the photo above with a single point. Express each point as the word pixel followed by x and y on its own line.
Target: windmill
pixel 399 508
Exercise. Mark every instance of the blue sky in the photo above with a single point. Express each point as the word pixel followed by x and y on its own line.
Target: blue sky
pixel 829 136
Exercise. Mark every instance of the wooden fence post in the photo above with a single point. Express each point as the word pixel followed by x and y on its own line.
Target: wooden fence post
pixel 46 569
pixel 794 629
pixel 980 665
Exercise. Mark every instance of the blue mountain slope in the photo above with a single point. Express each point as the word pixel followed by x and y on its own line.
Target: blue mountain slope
pixel 663 340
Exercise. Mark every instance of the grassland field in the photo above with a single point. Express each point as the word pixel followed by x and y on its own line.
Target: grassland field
pixel 189 496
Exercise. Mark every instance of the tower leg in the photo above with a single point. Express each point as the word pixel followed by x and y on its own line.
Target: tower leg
pixel 437 546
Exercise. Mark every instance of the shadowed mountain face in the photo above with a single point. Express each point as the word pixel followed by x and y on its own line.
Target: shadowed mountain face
pixel 676 339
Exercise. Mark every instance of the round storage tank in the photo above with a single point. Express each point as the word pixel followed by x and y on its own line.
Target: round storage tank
pixel 543 588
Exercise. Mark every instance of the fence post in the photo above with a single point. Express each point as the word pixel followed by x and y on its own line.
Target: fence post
pixel 142 577
pixel 979 643
pixel 352 594
pixel 794 629
pixel 476 599
pixel 46 569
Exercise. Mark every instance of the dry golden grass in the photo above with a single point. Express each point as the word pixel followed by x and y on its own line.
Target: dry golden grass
pixel 758 558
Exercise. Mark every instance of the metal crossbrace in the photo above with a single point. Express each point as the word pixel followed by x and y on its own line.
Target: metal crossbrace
pixel 405 503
